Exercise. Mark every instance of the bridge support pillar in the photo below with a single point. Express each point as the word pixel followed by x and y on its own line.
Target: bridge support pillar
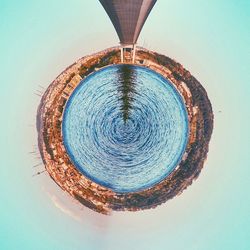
pixel 134 51
pixel 122 56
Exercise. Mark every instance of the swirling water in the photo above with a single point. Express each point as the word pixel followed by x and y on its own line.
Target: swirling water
pixel 125 127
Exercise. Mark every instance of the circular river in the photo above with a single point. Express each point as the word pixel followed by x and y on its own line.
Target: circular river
pixel 125 127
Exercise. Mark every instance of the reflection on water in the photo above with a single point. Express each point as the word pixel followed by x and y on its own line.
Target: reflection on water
pixel 126 88
pixel 125 127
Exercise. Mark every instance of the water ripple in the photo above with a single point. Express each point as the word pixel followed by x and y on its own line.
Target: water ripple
pixel 125 127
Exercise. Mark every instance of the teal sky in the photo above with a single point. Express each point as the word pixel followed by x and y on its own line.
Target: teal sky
pixel 39 39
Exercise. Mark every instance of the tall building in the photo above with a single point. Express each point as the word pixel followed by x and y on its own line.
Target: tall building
pixel 128 18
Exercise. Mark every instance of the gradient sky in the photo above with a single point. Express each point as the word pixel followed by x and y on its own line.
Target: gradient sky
pixel 39 39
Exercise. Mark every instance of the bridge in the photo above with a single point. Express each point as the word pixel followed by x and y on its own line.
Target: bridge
pixel 128 18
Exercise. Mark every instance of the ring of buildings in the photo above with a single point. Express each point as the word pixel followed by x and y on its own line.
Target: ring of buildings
pixel 92 195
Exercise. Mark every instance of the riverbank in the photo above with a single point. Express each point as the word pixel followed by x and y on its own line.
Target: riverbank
pixel 92 195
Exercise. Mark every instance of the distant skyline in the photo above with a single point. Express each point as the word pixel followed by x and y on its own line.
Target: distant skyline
pixel 39 39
